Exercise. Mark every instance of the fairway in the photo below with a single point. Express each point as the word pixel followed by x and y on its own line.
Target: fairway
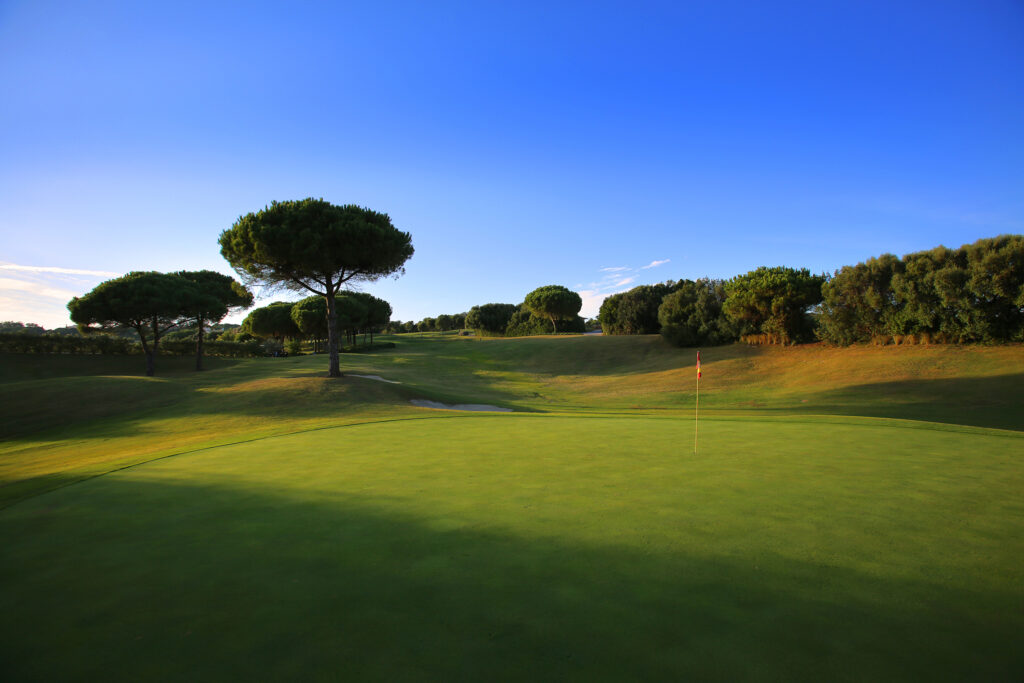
pixel 450 547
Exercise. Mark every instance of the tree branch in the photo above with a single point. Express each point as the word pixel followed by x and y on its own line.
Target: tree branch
pixel 305 286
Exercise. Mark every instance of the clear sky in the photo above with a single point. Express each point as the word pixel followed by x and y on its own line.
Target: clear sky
pixel 597 145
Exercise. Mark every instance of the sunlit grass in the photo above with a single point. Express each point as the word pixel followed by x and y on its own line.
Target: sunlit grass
pixel 587 547
pixel 61 420
pixel 850 514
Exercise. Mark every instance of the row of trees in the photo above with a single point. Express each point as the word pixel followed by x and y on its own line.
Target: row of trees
pixel 546 310
pixel 767 305
pixel 442 323
pixel 152 303
pixel 34 330
pixel 971 294
pixel 540 313
pixel 355 313
pixel 308 245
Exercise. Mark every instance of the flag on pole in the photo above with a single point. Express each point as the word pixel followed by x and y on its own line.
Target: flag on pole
pixel 696 406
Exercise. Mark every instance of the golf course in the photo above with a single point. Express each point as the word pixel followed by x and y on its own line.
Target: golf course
pixel 847 514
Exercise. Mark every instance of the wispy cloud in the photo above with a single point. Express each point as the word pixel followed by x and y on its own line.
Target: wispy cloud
pixel 10 284
pixel 54 269
pixel 655 264
pixel 39 294
pixel 614 279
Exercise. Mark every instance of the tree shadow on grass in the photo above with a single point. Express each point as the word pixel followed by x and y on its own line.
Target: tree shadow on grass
pixel 996 402
pixel 21 367
pixel 122 579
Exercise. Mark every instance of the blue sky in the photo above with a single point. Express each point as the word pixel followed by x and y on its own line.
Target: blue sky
pixel 595 145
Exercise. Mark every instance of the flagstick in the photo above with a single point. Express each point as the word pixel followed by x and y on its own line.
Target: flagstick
pixel 696 408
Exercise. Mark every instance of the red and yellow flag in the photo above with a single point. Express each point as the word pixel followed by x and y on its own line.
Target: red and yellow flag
pixel 698 365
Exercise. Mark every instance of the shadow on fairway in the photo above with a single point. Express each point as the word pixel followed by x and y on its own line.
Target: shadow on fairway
pixel 20 367
pixel 77 407
pixel 121 579
pixel 975 401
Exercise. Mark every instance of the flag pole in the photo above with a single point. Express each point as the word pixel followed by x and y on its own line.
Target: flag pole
pixel 696 406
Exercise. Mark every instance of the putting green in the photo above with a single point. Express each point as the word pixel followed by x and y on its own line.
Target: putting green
pixel 521 546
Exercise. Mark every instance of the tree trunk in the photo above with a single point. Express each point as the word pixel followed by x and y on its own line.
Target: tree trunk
pixel 554 327
pixel 332 332
pixel 199 345
pixel 139 330
pixel 156 348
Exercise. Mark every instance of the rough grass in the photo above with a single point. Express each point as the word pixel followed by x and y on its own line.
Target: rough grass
pixel 851 514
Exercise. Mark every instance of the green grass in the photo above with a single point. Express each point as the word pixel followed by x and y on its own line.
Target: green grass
pixel 849 515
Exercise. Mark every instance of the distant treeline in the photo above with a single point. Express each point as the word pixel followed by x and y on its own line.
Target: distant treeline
pixel 445 322
pixel 971 294
pixel 516 320
pixel 19 342
pixel 552 309
pixel 357 313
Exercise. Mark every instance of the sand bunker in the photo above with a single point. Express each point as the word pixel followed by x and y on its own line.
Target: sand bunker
pixel 376 378
pixel 424 403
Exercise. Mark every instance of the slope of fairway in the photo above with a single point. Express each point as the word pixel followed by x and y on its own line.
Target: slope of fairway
pixel 531 546
pixel 72 417
pixel 981 386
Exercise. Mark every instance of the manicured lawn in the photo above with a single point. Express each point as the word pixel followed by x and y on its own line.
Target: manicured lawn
pixel 523 546
pixel 852 514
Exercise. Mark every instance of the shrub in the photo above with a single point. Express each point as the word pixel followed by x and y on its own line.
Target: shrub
pixel 692 315
pixel 48 343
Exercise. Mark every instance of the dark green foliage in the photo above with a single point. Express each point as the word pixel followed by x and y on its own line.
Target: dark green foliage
pixel 214 295
pixel 926 288
pixel 148 302
pixel 553 302
pixel 310 316
pixel 11 327
pixel 224 349
pixel 490 318
pixel 773 303
pixel 635 311
pixel 428 324
pixel 377 315
pixel 444 322
pixel 692 315
pixel 64 343
pixel 271 321
pixel 235 334
pixel 859 303
pixel 971 294
pixel 524 323
pixel 313 245
pixel 217 294
pixel 996 288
